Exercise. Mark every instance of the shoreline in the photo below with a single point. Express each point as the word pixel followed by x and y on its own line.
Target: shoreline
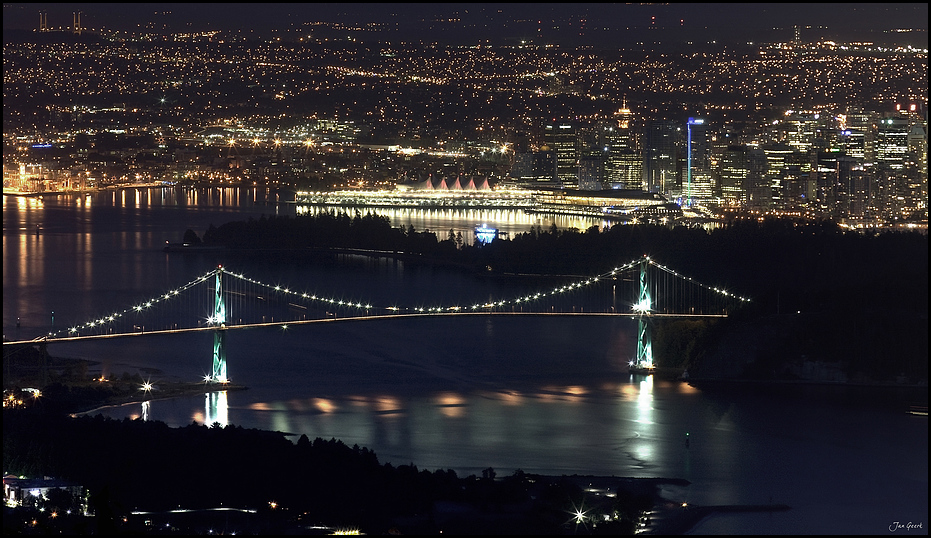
pixel 172 390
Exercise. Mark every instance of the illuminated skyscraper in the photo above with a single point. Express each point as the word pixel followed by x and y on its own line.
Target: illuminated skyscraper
pixel 891 170
pixel 740 167
pixel 624 167
pixel 803 130
pixel 862 125
pixel 561 139
pixel 778 159
pixel 699 183
pixel 660 157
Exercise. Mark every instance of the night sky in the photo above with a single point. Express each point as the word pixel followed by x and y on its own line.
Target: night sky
pixel 585 23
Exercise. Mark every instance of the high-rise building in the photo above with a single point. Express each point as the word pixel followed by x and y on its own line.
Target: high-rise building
pixel 522 167
pixel 916 161
pixel 661 155
pixel 544 167
pixel 591 171
pixel 892 142
pixel 522 164
pixel 735 174
pixel 801 130
pixel 758 188
pixel 699 181
pixel 891 173
pixel 858 133
pixel 624 168
pixel 778 159
pixel 846 186
pixel 561 139
pixel 918 164
pixel 860 202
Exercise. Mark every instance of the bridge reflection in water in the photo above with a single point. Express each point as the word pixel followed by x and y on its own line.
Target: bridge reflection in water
pixel 217 408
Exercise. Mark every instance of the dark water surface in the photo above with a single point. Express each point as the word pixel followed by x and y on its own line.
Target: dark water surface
pixel 542 394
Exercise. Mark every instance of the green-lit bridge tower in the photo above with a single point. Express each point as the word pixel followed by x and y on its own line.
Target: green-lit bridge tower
pixel 642 307
pixel 219 334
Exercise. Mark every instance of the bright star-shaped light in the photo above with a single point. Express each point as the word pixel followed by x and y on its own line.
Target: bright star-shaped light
pixel 641 306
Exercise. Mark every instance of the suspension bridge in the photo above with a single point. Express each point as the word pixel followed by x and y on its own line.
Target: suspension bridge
pixel 222 300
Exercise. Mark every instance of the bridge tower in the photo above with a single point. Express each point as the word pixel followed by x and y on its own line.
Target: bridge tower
pixel 642 306
pixel 219 334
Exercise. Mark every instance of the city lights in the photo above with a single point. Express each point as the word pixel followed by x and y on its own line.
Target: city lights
pixel 405 226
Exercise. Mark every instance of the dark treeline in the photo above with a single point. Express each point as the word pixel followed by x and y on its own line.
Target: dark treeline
pixel 137 465
pixel 861 299
pixel 747 256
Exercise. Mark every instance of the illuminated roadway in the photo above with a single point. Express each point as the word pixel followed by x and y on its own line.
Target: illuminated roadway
pixel 286 324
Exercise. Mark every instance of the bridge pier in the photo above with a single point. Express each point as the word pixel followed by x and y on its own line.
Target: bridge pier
pixel 219 372
pixel 644 343
pixel 643 305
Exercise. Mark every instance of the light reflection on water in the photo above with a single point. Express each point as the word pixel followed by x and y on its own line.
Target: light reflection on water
pixel 547 396
pixel 574 428
pixel 464 221
pixel 217 408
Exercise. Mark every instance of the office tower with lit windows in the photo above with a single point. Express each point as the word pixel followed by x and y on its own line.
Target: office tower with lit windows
pixel 801 130
pixel 891 173
pixel 741 169
pixel 778 159
pixel 623 158
pixel 561 138
pixel 699 180
pixel 846 186
pixel 859 127
pixel 918 152
pixel 661 155
pixel 916 163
